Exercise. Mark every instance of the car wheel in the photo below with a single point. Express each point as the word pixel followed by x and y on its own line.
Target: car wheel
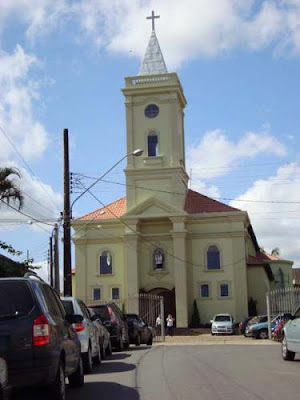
pixel 87 361
pixel 286 354
pixel 138 340
pixel 58 387
pixel 150 341
pixel 97 358
pixel 263 334
pixel 108 350
pixel 77 378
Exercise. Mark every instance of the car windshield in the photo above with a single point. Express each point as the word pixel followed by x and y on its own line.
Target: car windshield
pixel 222 318
pixel 15 299
pixel 68 306
pixel 102 312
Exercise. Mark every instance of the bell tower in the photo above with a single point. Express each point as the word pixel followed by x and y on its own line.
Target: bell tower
pixel 155 103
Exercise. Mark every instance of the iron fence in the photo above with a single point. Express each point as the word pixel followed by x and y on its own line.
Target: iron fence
pixel 281 301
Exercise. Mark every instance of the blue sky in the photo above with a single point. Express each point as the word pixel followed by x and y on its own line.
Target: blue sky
pixel 63 64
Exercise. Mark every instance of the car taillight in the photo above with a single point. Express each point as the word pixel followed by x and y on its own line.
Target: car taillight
pixel 79 327
pixel 40 331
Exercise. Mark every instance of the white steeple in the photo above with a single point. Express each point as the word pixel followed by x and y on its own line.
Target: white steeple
pixel 153 62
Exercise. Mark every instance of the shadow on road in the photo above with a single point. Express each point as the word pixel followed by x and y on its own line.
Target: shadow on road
pixel 103 390
pixel 90 391
pixel 114 366
pixel 140 348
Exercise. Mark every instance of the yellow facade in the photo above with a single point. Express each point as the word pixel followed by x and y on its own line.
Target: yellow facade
pixel 158 221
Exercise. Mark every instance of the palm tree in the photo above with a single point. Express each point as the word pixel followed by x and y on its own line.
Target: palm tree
pixel 275 252
pixel 8 189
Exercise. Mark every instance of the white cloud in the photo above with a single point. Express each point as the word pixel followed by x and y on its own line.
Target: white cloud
pixel 41 203
pixel 274 217
pixel 187 30
pixel 18 94
pixel 216 155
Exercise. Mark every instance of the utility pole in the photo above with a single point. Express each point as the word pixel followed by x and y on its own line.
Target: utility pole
pixel 56 259
pixel 67 219
pixel 51 261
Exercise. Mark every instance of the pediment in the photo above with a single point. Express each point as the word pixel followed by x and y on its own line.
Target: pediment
pixel 154 208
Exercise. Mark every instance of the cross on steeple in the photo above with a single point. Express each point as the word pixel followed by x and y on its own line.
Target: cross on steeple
pixel 153 18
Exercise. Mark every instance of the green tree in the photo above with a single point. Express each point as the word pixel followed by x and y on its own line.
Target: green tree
pixel 195 321
pixel 9 190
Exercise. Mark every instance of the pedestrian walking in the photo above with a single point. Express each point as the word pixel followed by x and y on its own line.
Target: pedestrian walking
pixel 170 325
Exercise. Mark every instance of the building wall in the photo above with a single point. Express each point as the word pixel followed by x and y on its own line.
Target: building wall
pixel 258 286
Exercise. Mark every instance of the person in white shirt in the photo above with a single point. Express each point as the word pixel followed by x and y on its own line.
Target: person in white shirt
pixel 158 324
pixel 170 325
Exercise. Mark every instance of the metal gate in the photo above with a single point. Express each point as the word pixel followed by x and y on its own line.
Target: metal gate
pixel 281 301
pixel 148 307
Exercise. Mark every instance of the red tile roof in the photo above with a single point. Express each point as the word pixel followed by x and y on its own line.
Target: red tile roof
pixel 113 210
pixel 198 203
pixel 261 258
pixel 194 203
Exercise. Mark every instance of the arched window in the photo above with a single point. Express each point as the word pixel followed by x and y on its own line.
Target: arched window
pixel 152 144
pixel 158 259
pixel 105 263
pixel 213 258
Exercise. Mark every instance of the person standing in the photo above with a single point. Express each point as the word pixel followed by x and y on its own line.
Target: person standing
pixel 170 325
pixel 158 325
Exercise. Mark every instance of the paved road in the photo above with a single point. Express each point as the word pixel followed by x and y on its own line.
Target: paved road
pixel 193 372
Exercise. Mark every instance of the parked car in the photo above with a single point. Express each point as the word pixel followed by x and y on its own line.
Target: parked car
pixel 291 336
pixel 222 323
pixel 243 324
pixel 114 320
pixel 139 331
pixel 86 331
pixel 103 334
pixel 260 330
pixel 37 339
pixel 4 387
pixel 255 320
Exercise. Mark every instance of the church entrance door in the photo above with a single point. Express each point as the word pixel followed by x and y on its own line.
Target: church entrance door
pixel 169 300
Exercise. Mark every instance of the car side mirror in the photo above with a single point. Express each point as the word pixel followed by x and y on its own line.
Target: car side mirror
pixel 74 318
pixel 211 321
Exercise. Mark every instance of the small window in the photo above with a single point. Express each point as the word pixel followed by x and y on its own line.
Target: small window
pixel 224 290
pixel 213 258
pixel 158 259
pixel 96 294
pixel 152 145
pixel 115 293
pixel 105 263
pixel 204 290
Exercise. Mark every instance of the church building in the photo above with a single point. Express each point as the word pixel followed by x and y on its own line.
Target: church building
pixel 164 238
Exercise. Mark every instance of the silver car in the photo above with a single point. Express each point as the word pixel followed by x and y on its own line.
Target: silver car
pixel 291 337
pixel 222 323
pixel 86 332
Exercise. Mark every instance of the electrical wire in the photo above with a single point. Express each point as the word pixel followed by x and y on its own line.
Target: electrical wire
pixel 28 167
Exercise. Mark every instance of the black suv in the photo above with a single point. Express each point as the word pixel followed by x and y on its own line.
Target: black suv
pixel 36 337
pixel 115 322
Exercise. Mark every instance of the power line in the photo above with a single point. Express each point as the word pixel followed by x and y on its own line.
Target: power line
pixel 147 240
pixel 196 194
pixel 28 166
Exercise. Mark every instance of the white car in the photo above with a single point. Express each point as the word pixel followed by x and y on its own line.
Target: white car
pixel 222 323
pixel 86 332
pixel 291 337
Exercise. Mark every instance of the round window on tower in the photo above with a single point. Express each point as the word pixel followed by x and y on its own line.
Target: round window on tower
pixel 151 111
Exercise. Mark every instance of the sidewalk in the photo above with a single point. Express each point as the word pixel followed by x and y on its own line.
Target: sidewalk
pixel 208 339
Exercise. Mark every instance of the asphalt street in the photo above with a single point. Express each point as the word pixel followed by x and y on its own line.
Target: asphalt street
pixel 190 372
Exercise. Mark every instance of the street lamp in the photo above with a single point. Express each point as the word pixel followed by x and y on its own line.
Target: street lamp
pixel 67 214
